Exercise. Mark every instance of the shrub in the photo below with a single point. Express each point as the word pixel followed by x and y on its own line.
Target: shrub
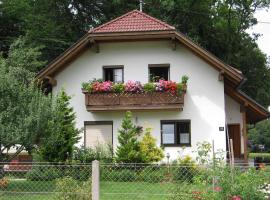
pixel 148 148
pixel 125 175
pixel 78 172
pixel 243 184
pixel 118 87
pixel 185 170
pixel 69 189
pixel 42 173
pixel 149 87
pixel 153 174
pixel 103 153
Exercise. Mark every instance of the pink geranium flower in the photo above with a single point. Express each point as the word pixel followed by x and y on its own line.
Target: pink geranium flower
pixel 133 86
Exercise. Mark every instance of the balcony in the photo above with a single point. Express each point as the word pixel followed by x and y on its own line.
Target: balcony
pixel 133 101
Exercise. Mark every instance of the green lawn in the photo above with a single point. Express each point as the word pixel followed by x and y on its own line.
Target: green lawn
pixel 135 190
pixel 18 189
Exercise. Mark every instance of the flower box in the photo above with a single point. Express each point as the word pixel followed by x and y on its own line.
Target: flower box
pixel 133 101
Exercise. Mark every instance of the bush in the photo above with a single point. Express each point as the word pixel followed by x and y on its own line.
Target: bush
pixel 103 153
pixel 185 170
pixel 69 189
pixel 148 148
pixel 153 174
pixel 121 175
pixel 78 172
pixel 44 173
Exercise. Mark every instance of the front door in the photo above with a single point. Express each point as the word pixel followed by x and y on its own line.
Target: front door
pixel 234 134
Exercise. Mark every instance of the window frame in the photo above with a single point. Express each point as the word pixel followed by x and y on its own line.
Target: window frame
pixel 164 65
pixel 175 122
pixel 113 67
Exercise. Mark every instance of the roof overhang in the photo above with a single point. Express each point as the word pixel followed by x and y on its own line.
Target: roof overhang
pixel 90 40
pixel 255 112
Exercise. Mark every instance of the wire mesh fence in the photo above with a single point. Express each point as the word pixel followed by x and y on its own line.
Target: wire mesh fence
pixel 45 181
pixel 175 182
pixel 133 181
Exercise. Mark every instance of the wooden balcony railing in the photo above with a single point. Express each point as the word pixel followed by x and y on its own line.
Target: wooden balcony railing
pixel 133 101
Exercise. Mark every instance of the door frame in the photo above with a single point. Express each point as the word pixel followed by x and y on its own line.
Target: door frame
pixel 240 136
pixel 96 123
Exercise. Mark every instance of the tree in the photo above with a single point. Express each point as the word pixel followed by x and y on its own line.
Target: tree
pixel 148 149
pixel 24 110
pixel 128 150
pixel 63 134
pixel 260 134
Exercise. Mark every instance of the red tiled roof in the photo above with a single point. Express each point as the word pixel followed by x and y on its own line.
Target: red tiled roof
pixel 132 22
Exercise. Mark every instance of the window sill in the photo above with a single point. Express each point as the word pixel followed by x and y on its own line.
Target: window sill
pixel 176 145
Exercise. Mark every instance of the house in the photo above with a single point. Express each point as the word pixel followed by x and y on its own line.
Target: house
pixel 136 46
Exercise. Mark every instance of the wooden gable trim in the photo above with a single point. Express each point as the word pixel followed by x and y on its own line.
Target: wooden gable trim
pixel 255 111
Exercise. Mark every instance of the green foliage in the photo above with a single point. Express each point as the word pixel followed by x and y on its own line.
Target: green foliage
pixel 148 148
pixel 149 87
pixel 153 174
pixel 244 184
pixel 121 175
pixel 24 109
pixel 103 153
pixel 203 152
pixel 41 173
pixel 63 134
pixel 118 87
pixel 128 150
pixel 23 55
pixel 185 170
pixel 184 79
pixel 69 189
pixel 260 134
pixel 179 87
pixel 87 86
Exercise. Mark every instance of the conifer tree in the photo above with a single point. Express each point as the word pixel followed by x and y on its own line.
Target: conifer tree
pixel 128 150
pixel 64 135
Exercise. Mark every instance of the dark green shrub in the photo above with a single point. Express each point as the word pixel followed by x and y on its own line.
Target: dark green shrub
pixel 80 173
pixel 44 173
pixel 122 175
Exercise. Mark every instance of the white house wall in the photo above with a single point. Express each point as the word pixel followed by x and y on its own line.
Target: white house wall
pixel 234 116
pixel 204 101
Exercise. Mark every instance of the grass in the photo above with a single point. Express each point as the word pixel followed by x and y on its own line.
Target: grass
pixel 17 189
pixel 259 155
pixel 134 190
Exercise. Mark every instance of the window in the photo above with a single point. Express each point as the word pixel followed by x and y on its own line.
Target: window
pixel 113 73
pixel 159 71
pixel 175 133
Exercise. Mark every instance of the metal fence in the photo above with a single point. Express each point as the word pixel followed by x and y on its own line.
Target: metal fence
pixel 111 181
pixel 177 182
pixel 45 181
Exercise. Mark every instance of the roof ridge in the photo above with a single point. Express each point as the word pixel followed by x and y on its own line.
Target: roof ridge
pixel 128 14
pixel 111 21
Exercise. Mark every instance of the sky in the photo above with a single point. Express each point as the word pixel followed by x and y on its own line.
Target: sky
pixel 263 27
